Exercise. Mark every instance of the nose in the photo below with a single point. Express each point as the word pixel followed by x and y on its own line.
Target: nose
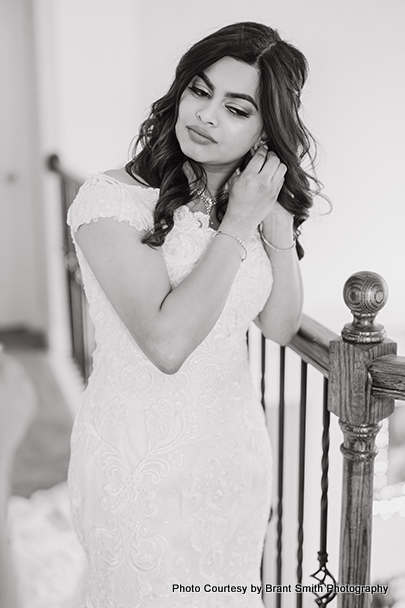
pixel 207 114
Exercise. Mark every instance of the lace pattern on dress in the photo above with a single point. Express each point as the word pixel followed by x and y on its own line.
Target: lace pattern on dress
pixel 170 476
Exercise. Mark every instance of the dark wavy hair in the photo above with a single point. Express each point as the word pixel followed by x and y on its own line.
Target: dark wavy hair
pixel 283 70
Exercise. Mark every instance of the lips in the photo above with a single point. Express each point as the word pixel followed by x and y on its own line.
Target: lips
pixel 201 133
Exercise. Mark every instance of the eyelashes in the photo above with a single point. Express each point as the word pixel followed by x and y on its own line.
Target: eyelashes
pixel 203 94
pixel 199 92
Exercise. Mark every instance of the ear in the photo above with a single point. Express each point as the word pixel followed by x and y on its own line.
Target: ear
pixel 260 142
pixel 263 138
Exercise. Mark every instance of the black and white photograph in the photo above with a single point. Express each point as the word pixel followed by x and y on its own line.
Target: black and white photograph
pixel 202 304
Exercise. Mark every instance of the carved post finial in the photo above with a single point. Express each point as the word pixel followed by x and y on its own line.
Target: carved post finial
pixel 359 412
pixel 365 293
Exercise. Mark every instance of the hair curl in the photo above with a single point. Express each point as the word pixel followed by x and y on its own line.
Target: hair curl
pixel 283 70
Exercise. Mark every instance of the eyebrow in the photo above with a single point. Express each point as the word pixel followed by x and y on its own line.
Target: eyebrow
pixel 209 84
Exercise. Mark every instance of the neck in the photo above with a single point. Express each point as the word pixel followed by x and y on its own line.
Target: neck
pixel 218 175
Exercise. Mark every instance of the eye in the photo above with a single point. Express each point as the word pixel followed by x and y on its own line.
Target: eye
pixel 237 112
pixel 198 92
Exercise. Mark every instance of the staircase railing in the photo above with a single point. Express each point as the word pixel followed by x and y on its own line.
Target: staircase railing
pixel 80 325
pixel 362 378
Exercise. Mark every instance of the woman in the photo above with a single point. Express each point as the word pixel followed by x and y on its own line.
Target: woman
pixel 170 475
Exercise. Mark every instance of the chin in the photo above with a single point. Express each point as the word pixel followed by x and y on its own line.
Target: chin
pixel 199 156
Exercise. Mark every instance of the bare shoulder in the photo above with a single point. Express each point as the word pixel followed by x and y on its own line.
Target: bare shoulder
pixel 122 176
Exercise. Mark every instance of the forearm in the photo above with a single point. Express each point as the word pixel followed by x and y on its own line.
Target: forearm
pixel 281 315
pixel 189 312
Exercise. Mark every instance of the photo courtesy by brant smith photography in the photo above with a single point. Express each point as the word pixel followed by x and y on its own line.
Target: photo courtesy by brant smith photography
pixel 317 589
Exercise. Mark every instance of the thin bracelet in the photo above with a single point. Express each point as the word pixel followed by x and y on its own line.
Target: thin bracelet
pixel 266 242
pixel 235 237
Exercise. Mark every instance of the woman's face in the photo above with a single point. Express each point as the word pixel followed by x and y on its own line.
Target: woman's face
pixel 219 120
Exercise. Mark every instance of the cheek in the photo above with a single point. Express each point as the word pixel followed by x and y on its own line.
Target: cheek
pixel 181 118
pixel 255 135
pixel 185 108
pixel 245 133
pixel 247 139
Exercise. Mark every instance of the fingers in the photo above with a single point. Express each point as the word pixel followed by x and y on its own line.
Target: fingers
pixel 257 161
pixel 279 173
pixel 273 172
pixel 267 164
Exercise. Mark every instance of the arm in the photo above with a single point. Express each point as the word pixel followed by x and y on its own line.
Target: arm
pixel 168 324
pixel 280 318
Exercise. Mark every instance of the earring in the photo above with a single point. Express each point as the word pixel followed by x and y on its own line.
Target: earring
pixel 257 145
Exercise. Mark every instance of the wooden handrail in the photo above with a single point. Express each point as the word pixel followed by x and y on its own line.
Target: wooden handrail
pixel 388 376
pixel 311 343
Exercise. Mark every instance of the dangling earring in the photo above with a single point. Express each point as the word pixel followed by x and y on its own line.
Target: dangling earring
pixel 257 145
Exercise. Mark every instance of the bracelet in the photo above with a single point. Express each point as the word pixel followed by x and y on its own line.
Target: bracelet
pixel 266 242
pixel 235 237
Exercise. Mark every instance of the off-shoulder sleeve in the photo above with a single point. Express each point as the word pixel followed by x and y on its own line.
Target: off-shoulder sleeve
pixel 104 196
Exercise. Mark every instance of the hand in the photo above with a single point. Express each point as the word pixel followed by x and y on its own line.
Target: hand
pixel 254 192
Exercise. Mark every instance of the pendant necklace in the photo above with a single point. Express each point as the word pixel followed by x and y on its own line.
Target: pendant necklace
pixel 209 203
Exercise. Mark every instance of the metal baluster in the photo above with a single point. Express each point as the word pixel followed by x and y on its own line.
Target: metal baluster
pixel 301 475
pixel 263 370
pixel 262 392
pixel 323 555
pixel 322 574
pixel 280 464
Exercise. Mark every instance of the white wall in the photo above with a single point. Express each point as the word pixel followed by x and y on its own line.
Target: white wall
pixel 94 65
pixel 22 253
pixel 112 60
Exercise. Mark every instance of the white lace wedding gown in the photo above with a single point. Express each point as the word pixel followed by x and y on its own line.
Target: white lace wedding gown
pixel 170 475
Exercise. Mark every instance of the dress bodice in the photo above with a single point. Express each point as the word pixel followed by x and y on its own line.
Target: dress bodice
pixel 104 196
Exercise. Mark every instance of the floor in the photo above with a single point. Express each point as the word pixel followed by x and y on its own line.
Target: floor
pixel 42 558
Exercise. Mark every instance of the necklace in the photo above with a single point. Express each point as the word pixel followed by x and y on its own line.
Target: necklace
pixel 209 203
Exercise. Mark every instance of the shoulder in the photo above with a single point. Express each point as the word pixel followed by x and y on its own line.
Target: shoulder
pixel 107 195
pixel 122 176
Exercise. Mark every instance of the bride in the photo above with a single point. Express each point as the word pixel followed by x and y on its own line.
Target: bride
pixel 170 472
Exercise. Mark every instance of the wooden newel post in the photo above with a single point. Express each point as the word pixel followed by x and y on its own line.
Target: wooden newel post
pixel 360 415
